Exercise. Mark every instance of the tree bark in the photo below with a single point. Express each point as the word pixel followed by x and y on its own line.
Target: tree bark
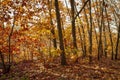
pixel 90 34
pixel 3 63
pixel 63 57
pixel 9 43
pixel 73 24
pixel 52 28
pixel 82 38
pixel 118 41
pixel 100 45
pixel 110 34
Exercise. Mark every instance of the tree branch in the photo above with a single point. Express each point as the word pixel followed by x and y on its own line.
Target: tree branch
pixel 81 9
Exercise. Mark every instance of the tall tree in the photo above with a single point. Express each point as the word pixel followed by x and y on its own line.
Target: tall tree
pixel 110 34
pixel 82 38
pixel 117 42
pixel 63 57
pixel 3 62
pixel 100 47
pixel 90 32
pixel 72 2
pixel 52 26
pixel 87 22
pixel 9 42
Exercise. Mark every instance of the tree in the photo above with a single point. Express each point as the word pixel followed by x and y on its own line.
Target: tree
pixel 63 57
pixel 52 25
pixel 117 42
pixel 100 45
pixel 3 62
pixel 90 34
pixel 110 33
pixel 72 2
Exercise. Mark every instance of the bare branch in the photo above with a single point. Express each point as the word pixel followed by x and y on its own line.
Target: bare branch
pixel 81 9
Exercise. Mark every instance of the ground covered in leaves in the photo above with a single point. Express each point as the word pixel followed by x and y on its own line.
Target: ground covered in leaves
pixel 105 69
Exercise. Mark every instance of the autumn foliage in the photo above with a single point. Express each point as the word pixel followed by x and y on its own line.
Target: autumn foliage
pixel 77 34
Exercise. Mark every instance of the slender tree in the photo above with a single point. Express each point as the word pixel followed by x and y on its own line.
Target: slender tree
pixel 105 40
pixel 63 58
pixel 72 2
pixel 9 42
pixel 90 34
pixel 110 34
pixel 3 62
pixel 100 45
pixel 117 42
pixel 52 26
pixel 82 38
pixel 87 22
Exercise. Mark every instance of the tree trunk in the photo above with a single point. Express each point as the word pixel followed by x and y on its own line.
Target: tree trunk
pixel 90 34
pixel 73 24
pixel 82 38
pixel 88 30
pixel 110 34
pixel 9 43
pixel 117 43
pixel 100 46
pixel 63 57
pixel 105 41
pixel 52 26
pixel 3 63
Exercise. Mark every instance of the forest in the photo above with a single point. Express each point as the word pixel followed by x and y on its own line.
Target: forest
pixel 59 39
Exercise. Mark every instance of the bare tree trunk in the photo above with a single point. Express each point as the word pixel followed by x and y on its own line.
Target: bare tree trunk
pixel 52 26
pixel 63 57
pixel 100 46
pixel 110 34
pixel 104 46
pixel 82 39
pixel 95 26
pixel 95 34
pixel 9 43
pixel 88 30
pixel 117 42
pixel 105 40
pixel 90 34
pixel 3 62
pixel 72 2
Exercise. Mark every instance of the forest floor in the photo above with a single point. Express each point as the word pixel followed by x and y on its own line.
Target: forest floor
pixel 105 69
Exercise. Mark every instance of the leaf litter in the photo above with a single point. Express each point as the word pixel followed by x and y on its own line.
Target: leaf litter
pixel 37 70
